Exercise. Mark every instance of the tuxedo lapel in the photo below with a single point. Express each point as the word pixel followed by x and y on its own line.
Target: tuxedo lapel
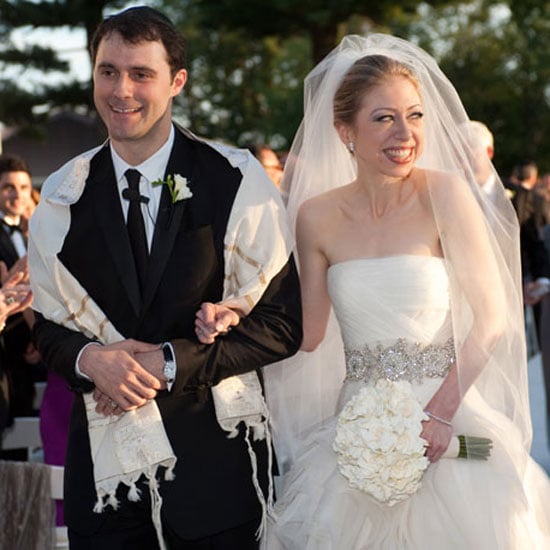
pixel 169 218
pixel 110 219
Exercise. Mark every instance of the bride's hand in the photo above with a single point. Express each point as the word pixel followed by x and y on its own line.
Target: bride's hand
pixel 438 436
pixel 214 320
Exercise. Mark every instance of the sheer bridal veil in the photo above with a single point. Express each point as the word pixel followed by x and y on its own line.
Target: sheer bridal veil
pixel 479 237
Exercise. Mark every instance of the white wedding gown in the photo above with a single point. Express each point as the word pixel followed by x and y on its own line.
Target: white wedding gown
pixel 387 306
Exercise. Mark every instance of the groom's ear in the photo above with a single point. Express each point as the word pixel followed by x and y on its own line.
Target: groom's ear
pixel 178 82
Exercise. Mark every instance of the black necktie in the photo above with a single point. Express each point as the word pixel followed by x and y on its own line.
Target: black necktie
pixel 136 226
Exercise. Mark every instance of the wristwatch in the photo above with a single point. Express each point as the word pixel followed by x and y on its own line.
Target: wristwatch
pixel 169 369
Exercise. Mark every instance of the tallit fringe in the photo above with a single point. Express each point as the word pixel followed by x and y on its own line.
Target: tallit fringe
pixel 267 505
pixel 105 499
pixel 156 505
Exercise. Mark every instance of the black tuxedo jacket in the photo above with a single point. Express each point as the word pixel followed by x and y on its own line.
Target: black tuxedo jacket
pixel 8 253
pixel 529 207
pixel 212 490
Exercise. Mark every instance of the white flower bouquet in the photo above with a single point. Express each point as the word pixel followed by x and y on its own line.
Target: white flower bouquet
pixel 378 444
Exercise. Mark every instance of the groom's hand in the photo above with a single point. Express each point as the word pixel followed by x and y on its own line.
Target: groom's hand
pixel 118 375
pixel 153 362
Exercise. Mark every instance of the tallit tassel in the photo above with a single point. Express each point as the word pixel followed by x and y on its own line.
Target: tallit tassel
pixel 99 505
pixel 112 501
pixel 156 504
pixel 255 482
pixel 134 494
pixel 271 490
pixel 169 474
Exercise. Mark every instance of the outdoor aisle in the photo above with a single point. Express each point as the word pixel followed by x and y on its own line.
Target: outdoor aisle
pixel 539 450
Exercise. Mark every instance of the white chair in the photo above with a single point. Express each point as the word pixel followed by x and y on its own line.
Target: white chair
pixel 27 508
pixel 23 434
pixel 56 480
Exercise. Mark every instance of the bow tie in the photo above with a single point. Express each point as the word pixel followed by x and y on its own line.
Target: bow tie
pixel 11 228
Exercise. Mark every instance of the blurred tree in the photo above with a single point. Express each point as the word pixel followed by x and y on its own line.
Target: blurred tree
pixel 496 55
pixel 320 20
pixel 243 91
pixel 248 59
pixel 19 104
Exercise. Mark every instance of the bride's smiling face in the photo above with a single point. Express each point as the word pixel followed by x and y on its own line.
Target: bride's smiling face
pixel 388 130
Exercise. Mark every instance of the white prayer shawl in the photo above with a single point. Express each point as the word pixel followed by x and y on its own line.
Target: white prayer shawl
pixel 257 244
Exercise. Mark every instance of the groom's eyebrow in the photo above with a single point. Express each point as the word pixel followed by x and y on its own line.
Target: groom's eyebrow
pixel 140 68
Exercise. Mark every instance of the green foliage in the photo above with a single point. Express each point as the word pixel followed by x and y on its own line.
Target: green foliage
pixel 248 60
pixel 318 20
pixel 496 55
pixel 19 105
pixel 243 92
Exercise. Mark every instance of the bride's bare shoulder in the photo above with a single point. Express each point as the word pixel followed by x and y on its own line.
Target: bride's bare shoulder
pixel 439 181
pixel 323 207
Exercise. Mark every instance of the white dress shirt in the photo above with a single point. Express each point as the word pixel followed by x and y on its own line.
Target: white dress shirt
pixel 151 170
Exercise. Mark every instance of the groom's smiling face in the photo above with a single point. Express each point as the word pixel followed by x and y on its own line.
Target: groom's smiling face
pixel 133 91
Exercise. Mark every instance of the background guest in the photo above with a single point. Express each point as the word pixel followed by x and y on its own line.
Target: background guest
pixel 19 355
pixel 15 296
pixel 269 160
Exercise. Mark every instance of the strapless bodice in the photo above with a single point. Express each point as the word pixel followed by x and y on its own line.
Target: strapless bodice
pixel 379 300
pixel 394 316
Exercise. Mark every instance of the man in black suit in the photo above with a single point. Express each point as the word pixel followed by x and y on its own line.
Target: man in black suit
pixel 529 205
pixel 16 347
pixel 120 267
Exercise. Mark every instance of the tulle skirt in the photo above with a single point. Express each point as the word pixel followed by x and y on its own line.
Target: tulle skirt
pixel 502 503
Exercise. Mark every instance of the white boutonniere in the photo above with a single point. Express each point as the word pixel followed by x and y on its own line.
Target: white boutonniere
pixel 178 187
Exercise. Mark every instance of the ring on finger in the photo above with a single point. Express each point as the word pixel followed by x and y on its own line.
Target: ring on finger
pixel 10 300
pixel 112 404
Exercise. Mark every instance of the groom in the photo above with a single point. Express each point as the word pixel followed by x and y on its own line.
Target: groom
pixel 120 268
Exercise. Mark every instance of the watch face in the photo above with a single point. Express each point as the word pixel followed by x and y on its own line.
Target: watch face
pixel 169 369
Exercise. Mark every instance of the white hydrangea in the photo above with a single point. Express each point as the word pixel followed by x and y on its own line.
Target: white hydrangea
pixel 378 443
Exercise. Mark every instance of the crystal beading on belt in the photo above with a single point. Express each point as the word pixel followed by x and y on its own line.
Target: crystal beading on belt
pixel 403 360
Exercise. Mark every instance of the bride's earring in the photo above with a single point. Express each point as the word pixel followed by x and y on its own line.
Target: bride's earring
pixel 351 147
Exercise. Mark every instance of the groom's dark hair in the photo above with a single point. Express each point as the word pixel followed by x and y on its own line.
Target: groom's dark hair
pixel 143 24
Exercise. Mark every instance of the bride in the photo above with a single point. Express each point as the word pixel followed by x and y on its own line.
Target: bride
pixel 422 273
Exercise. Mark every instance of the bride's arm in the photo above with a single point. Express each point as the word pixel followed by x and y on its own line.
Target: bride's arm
pixel 313 274
pixel 477 303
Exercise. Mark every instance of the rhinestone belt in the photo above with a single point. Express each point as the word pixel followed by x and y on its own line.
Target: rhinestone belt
pixel 403 360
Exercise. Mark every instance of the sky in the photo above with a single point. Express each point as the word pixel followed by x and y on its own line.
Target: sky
pixel 70 45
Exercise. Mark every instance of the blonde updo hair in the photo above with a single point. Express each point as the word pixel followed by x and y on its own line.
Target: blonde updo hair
pixel 362 76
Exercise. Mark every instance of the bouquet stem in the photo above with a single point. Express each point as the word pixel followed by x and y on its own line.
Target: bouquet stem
pixel 468 446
